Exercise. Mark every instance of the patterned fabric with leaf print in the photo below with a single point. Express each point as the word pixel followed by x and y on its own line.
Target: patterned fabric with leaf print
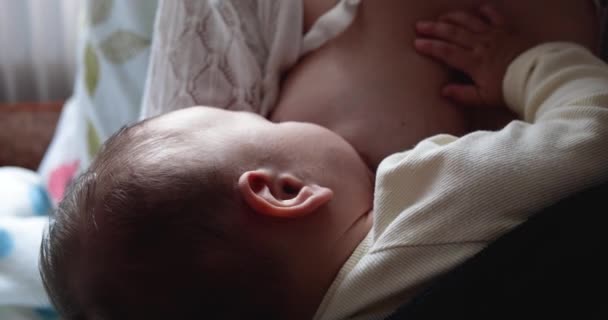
pixel 114 46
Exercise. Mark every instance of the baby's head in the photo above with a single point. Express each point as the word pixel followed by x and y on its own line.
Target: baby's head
pixel 205 213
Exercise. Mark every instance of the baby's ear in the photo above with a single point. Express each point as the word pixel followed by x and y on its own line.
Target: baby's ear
pixel 281 195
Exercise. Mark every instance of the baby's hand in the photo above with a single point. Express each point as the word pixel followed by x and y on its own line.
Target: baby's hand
pixel 478 45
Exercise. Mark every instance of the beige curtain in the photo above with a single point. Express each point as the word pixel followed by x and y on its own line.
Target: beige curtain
pixel 37 47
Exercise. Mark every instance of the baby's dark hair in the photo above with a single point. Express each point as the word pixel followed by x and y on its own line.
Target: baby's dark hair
pixel 149 233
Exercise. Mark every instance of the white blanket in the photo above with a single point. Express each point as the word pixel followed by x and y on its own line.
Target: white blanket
pixel 24 206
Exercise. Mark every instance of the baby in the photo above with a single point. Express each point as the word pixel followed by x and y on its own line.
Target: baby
pixel 206 213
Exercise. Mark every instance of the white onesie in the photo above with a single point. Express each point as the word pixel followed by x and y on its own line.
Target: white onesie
pixel 231 54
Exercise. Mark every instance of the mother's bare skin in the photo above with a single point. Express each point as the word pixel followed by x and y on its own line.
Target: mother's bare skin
pixel 371 87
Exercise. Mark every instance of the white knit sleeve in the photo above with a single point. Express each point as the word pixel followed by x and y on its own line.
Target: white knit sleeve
pixel 552 76
pixel 479 186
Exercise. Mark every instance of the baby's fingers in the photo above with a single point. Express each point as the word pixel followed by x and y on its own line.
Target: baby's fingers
pixel 465 95
pixel 448 32
pixel 452 55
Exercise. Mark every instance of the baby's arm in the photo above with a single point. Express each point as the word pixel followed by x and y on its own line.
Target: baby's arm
pixel 546 77
pixel 446 199
pixel 485 183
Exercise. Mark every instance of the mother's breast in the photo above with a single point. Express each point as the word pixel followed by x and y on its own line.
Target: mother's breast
pixel 370 86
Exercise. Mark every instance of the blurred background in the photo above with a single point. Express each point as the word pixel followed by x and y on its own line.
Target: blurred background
pixel 37 70
pixel 37 48
pixel 71 73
